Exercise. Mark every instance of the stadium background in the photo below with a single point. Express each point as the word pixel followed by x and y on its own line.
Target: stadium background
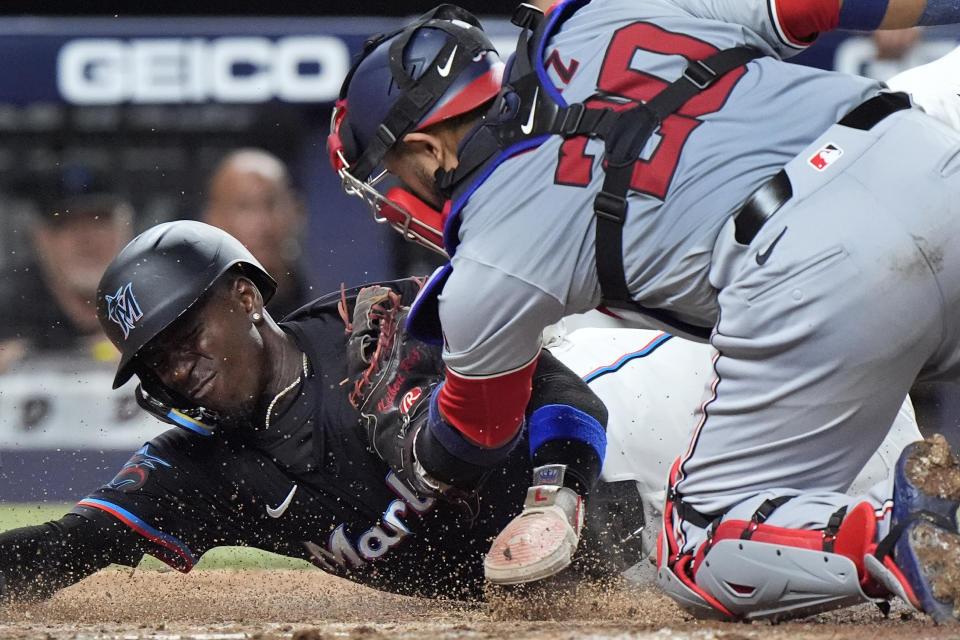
pixel 98 89
pixel 62 432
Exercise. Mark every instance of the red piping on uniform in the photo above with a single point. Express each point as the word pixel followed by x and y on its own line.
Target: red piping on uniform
pixel 703 420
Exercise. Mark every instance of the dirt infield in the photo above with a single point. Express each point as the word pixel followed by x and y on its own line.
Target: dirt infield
pixel 309 605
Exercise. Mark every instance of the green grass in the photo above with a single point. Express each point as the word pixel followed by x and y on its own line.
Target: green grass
pixel 13 515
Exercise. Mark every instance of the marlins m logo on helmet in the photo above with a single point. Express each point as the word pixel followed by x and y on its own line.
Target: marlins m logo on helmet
pixel 123 309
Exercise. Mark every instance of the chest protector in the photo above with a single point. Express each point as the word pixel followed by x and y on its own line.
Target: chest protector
pixel 529 110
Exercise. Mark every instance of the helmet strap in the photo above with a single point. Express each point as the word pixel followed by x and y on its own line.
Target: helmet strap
pixel 478 146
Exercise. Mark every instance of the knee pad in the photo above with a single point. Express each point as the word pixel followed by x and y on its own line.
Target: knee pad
pixel 751 570
pixel 757 580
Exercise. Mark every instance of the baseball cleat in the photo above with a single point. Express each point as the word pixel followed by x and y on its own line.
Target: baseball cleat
pixel 927 550
pixel 927 478
pixel 928 555
pixel 539 542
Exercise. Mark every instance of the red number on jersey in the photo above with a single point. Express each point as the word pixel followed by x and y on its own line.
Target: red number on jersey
pixel 618 78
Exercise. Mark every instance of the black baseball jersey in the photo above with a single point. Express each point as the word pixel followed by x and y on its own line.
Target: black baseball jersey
pixel 307 487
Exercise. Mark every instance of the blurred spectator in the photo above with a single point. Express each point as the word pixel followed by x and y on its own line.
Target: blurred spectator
pixel 893 44
pixel 48 301
pixel 250 196
pixel 883 54
pixel 895 51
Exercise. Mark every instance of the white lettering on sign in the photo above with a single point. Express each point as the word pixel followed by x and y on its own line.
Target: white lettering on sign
pixel 183 70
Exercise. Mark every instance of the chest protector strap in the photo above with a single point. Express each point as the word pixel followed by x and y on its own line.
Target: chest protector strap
pixel 526 110
pixel 628 133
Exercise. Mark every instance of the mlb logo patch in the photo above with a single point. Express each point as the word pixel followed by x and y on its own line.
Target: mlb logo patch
pixel 826 156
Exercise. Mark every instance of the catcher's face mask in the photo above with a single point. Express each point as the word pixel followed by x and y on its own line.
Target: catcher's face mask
pixel 413 218
pixel 440 66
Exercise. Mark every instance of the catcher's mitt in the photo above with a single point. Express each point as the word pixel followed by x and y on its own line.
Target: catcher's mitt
pixel 392 376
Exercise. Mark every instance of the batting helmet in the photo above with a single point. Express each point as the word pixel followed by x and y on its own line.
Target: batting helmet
pixel 159 275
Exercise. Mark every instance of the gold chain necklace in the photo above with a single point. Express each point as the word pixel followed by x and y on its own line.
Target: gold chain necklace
pixel 283 392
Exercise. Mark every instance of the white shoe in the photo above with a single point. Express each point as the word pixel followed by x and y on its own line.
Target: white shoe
pixel 539 542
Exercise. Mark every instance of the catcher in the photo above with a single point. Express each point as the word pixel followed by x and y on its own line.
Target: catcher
pixel 268 451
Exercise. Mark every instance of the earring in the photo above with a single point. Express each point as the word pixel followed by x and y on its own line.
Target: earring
pixel 256 316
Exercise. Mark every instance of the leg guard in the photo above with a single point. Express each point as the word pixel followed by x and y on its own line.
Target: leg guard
pixel 674 568
pixel 755 571
pixel 761 580
pixel 751 570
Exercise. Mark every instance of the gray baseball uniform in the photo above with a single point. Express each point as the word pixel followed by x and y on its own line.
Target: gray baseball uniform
pixel 822 323
pixel 651 383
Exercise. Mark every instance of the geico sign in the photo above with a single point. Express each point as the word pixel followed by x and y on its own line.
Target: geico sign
pixel 172 70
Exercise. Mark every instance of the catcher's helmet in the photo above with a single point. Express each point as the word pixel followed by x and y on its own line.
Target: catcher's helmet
pixel 440 66
pixel 159 275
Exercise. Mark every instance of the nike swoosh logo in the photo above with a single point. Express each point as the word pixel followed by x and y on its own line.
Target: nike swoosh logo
pixel 282 508
pixel 444 71
pixel 528 127
pixel 763 256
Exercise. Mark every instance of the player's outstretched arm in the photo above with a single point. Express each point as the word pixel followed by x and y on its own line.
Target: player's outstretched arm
pixel 37 561
pixel 799 22
pixel 868 15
